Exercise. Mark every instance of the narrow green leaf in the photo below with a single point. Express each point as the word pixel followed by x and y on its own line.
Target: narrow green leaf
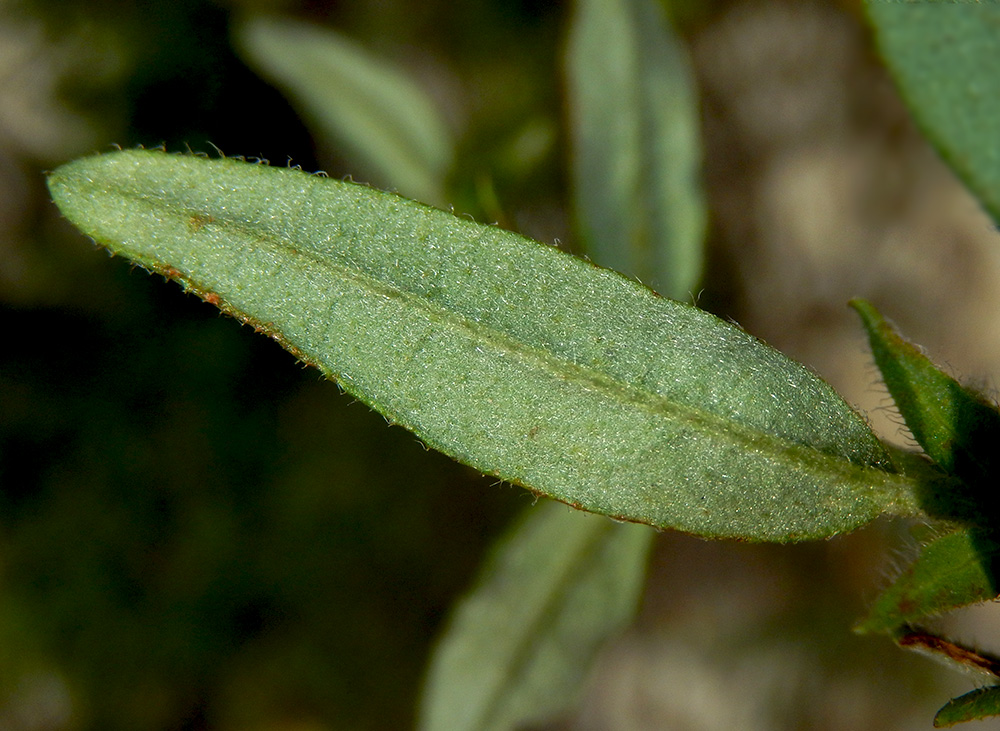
pixel 508 355
pixel 636 147
pixel 952 571
pixel 944 58
pixel 381 118
pixel 980 703
pixel 957 427
pixel 518 648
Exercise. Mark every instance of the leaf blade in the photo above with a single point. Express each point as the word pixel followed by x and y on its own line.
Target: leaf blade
pixel 384 120
pixel 943 57
pixel 980 703
pixel 518 648
pixel 957 427
pixel 636 147
pixel 513 357
pixel 952 571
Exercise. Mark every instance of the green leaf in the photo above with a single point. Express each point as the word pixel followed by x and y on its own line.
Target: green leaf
pixel 520 646
pixel 636 147
pixel 381 118
pixel 957 427
pixel 513 357
pixel 944 58
pixel 980 703
pixel 952 571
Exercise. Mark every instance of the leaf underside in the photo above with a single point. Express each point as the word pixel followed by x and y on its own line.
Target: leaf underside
pixel 524 362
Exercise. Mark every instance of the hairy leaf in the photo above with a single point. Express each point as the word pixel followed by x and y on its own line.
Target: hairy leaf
pixel 508 355
pixel 980 703
pixel 520 645
pixel 952 571
pixel 380 116
pixel 957 427
pixel 636 147
pixel 944 58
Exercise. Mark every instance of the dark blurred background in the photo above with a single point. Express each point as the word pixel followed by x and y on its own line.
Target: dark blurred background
pixel 196 532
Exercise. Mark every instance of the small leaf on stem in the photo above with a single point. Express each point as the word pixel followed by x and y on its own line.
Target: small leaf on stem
pixel 952 571
pixel 980 703
pixel 957 427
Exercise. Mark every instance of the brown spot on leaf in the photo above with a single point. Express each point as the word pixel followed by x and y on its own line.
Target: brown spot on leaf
pixel 197 221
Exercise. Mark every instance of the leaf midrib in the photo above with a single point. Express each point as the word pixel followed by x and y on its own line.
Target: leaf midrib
pixel 798 456
pixel 561 367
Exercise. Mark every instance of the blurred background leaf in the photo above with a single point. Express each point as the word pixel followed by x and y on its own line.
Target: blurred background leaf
pixel 520 646
pixel 636 154
pixel 944 58
pixel 386 124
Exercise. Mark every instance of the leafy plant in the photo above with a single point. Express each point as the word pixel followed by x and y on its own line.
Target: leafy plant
pixel 571 380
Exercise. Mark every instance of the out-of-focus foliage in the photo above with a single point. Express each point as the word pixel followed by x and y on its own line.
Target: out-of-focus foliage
pixel 519 648
pixel 636 153
pixel 943 57
pixel 385 123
